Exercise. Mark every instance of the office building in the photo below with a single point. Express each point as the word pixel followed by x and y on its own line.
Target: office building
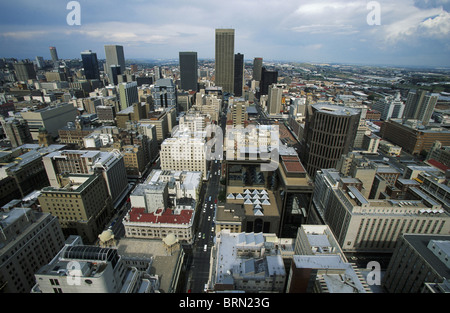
pixel 52 118
pixel 257 68
pixel 267 79
pixel 188 71
pixel 184 153
pixel 224 59
pixel 418 260
pixel 16 131
pixel 412 136
pixel 238 74
pixel 110 164
pixel 24 71
pixel 330 131
pixel 128 94
pixel 238 112
pixel 54 55
pixel 275 94
pixel 164 93
pixel 29 240
pixel 83 205
pixel 246 262
pixel 114 56
pixel 79 268
pixel 90 64
pixel 420 105
pixel 389 107
pixel 372 225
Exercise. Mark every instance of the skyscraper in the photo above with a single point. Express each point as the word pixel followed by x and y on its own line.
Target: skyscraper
pixel 330 131
pixel 114 56
pixel 275 98
pixel 188 70
pixel 267 78
pixel 420 105
pixel 238 74
pixel 54 54
pixel 90 64
pixel 257 68
pixel 225 59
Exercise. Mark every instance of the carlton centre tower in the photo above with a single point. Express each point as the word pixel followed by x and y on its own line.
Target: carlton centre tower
pixel 225 59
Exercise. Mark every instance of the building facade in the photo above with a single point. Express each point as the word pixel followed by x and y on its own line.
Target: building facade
pixel 224 59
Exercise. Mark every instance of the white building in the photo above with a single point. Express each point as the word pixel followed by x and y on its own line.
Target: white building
pixel 91 269
pixel 246 262
pixel 390 107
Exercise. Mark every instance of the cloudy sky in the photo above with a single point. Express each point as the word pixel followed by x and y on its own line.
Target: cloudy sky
pixel 410 32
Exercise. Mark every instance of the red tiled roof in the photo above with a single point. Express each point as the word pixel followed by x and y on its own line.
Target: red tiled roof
pixel 167 217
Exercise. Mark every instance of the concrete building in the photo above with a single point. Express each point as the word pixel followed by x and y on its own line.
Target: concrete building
pixel 257 68
pixel 114 56
pixel 224 59
pixel 128 94
pixel 52 118
pixel 412 136
pixel 361 224
pixel 164 93
pixel 330 131
pixel 248 262
pixel 274 101
pixel 188 70
pixel 83 205
pixel 110 164
pixel 390 107
pixel 29 240
pixel 24 71
pixel 16 131
pixel 418 260
pixel 420 105
pixel 90 269
pixel 184 153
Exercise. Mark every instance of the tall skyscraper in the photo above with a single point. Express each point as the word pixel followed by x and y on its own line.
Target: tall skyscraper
pixel 114 56
pixel 189 70
pixel 90 64
pixel 54 54
pixel 225 59
pixel 238 74
pixel 330 131
pixel 257 68
pixel 275 98
pixel 420 105
pixel 267 78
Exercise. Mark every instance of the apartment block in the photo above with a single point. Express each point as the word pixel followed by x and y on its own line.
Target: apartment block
pixel 29 240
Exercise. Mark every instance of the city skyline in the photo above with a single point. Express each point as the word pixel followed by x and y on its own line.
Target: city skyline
pixel 407 33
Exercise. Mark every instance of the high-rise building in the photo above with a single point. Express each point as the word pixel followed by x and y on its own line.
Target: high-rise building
pixel 29 240
pixel 238 74
pixel 90 64
pixel 114 56
pixel 420 105
pixel 267 78
pixel 274 101
pixel 54 55
pixel 418 260
pixel 330 131
pixel 189 70
pixel 257 68
pixel 128 94
pixel 164 93
pixel 83 206
pixel 16 131
pixel 224 61
pixel 24 71
pixel 390 107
